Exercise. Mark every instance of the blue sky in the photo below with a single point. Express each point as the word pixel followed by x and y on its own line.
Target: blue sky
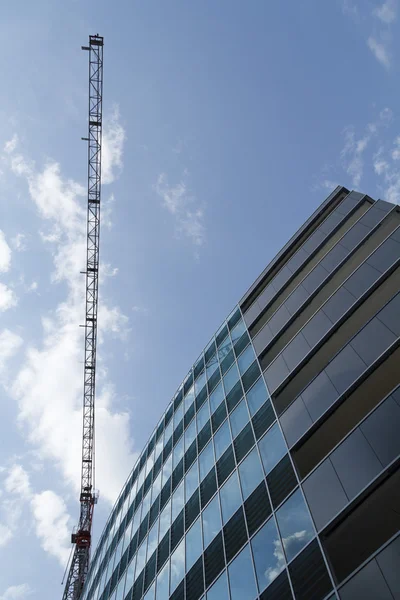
pixel 226 124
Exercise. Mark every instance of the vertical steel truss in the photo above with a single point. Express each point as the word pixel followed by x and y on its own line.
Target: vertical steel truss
pixel 82 538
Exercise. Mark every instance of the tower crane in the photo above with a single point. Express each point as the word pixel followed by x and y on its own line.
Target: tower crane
pixel 82 537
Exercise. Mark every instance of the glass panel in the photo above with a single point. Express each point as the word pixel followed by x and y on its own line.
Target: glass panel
pixel 178 415
pixel 141 558
pixel 216 397
pixel 163 583
pixel 246 359
pixel 344 369
pixel 178 500
pixel 238 331
pixel 156 488
pixel 168 431
pixel 206 460
pixel 295 525
pixel 152 541
pixel 295 421
pixel 167 469
pixel 178 451
pixel 177 565
pixel 146 505
pixel 230 497
pixel 202 416
pixel 212 366
pixel 150 593
pixel 194 546
pixel 319 395
pixel 324 493
pixel 224 349
pixel 130 575
pixel 256 396
pixel 241 577
pixel 189 398
pixel 222 439
pixel 268 554
pixel 192 480
pixel 231 378
pixel 219 591
pixel 165 520
pixel 190 433
pixel 200 382
pixel 276 373
pixel 250 473
pixel 272 448
pixel 239 418
pixel 211 517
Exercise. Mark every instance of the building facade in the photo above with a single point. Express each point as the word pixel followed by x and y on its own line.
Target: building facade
pixel 274 471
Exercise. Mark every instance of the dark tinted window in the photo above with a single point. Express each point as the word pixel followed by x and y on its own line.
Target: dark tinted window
pixel 344 369
pixel 382 430
pixel 314 279
pixel 319 395
pixel 295 421
pixel 296 299
pixel 324 494
pixel 276 373
pixel 296 350
pixel 361 280
pixel 338 304
pixel 372 340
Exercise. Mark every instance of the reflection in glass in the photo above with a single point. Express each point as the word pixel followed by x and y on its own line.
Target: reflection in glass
pixel 230 497
pixel 231 377
pixel 146 505
pixel 256 396
pixel 250 473
pixel 130 574
pixel 156 487
pixel 200 382
pixel 206 460
pixel 141 558
pixel 190 434
pixel 239 418
pixel 202 416
pixel 167 469
pixel 241 577
pixel 178 500
pixel 163 583
pixel 178 415
pixel 194 545
pixel 224 349
pixel 165 520
pixel 294 524
pixel 238 331
pixel 119 594
pixel 191 480
pixel 222 439
pixel 150 593
pixel 216 397
pixel 168 431
pixel 211 521
pixel 246 359
pixel 212 366
pixel 268 554
pixel 272 448
pixel 177 565
pixel 178 451
pixel 219 591
pixel 189 398
pixel 152 540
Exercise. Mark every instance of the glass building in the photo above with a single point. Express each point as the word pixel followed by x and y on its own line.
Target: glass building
pixel 274 471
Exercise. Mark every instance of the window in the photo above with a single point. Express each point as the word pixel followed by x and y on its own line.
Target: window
pixel 239 418
pixel 246 359
pixel 268 554
pixel 250 473
pixel 202 416
pixel 219 591
pixel 238 331
pixel 178 451
pixel 152 540
pixel 206 460
pixel 141 558
pixel 191 480
pixel 295 525
pixel 190 433
pixel 178 415
pixel 189 398
pixel 222 439
pixel 256 396
pixel 194 546
pixel 241 577
pixel 211 518
pixel 230 497
pixel 178 500
pixel 231 377
pixel 200 383
pixel 177 565
pixel 216 397
pixel 150 593
pixel 344 369
pixel 272 448
pixel 163 583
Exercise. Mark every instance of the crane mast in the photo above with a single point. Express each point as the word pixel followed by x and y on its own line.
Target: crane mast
pixel 82 537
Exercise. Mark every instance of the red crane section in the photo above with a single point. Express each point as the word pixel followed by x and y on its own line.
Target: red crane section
pixel 82 538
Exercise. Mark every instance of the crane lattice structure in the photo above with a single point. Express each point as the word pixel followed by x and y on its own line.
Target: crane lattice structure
pixel 82 537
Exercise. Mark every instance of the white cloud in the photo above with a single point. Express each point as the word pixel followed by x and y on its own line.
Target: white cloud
pixel 380 51
pixel 48 386
pixel 5 254
pixel 112 147
pixel 53 525
pixel 5 536
pixel 189 219
pixel 9 344
pixel 16 592
pixel 388 169
pixel 17 482
pixel 18 242
pixel 8 299
pixel 11 144
pixel 386 12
